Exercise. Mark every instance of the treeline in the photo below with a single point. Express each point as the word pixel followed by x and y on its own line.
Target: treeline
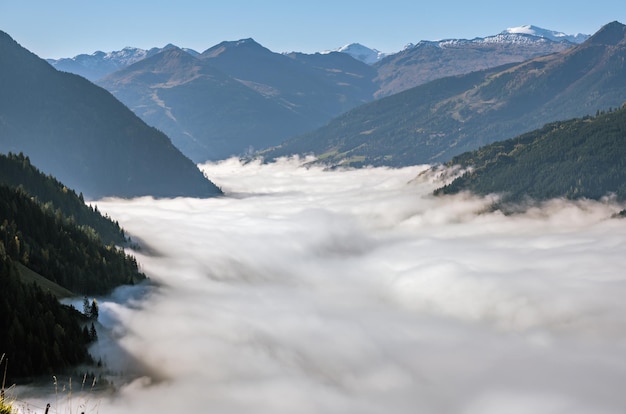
pixel 38 335
pixel 579 158
pixel 17 171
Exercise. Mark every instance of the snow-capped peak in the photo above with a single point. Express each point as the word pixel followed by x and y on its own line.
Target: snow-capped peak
pixel 126 56
pixel 548 34
pixel 360 52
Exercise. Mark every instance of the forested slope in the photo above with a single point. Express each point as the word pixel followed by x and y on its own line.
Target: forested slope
pixel 38 335
pixel 37 239
pixel 579 158
pixel 16 170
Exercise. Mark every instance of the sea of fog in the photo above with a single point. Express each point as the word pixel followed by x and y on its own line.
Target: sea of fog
pixel 311 291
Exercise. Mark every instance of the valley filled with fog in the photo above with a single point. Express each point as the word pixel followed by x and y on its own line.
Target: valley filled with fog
pixel 312 291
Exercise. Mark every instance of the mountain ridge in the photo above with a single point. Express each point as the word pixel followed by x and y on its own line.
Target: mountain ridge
pixel 100 64
pixel 550 34
pixel 86 64
pixel 428 60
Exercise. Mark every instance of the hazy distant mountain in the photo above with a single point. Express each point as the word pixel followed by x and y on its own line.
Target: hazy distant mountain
pixel 580 158
pixel 99 64
pixel 360 52
pixel 440 119
pixel 430 60
pixel 237 96
pixel 318 86
pixel 207 113
pixel 83 136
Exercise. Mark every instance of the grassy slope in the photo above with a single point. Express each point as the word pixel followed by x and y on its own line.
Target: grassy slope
pixel 28 276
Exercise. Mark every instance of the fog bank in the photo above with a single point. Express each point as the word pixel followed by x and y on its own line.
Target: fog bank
pixel 312 291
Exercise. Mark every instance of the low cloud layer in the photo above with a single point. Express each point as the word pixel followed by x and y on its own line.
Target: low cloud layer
pixel 312 291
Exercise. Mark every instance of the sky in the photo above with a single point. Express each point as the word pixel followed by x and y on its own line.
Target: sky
pixel 65 28
pixel 305 290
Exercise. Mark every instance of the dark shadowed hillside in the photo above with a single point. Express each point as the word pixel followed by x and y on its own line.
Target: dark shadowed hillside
pixel 82 135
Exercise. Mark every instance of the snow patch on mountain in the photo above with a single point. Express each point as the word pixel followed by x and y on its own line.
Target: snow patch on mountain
pixel 100 63
pixel 548 34
pixel 521 35
pixel 360 52
pixel 502 38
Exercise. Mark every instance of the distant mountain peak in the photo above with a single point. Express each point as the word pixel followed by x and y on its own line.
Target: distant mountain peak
pixel 532 30
pixel 172 56
pixel 238 43
pixel 610 34
pixel 248 41
pixel 234 45
pixel 360 52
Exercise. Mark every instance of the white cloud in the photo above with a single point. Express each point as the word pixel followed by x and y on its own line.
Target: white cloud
pixel 307 291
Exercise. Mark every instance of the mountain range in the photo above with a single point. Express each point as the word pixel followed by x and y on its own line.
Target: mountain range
pixel 79 133
pixel 238 96
pixel 99 64
pixel 435 121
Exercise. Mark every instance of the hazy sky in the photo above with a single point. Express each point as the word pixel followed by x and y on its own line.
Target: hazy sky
pixel 63 28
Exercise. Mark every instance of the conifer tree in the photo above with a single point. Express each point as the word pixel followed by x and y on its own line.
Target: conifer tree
pixel 93 311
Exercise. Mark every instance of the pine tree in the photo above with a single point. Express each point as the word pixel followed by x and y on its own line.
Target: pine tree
pixel 93 334
pixel 93 311
pixel 86 307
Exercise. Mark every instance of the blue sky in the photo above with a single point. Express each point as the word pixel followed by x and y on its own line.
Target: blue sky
pixel 63 28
